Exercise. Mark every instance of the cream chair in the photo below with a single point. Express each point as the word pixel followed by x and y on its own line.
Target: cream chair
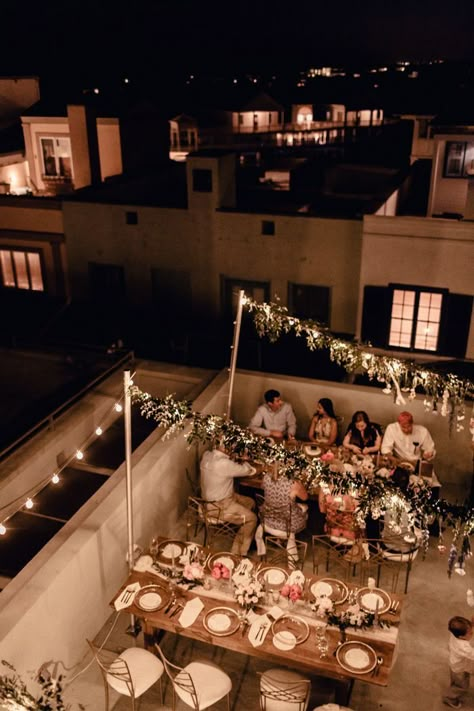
pixel 284 690
pixel 199 684
pixel 130 673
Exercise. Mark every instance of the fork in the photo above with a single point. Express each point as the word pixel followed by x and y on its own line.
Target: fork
pixel 377 667
pixel 394 607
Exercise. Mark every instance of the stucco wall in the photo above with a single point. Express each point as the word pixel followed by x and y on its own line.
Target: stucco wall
pixel 446 194
pixel 418 251
pixel 110 151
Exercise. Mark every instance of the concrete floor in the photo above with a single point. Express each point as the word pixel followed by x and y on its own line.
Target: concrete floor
pixel 417 681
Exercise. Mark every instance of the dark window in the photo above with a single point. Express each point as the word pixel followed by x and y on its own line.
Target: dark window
pixel 268 227
pixel 107 283
pixel 417 319
pixel 256 290
pixel 308 301
pixel 454 159
pixel 131 218
pixel 423 125
pixel 202 180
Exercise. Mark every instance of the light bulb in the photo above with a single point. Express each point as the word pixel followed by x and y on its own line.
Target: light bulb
pixel 29 504
pixel 118 407
pixel 3 530
pixel 55 479
pixel 99 431
pixel 79 454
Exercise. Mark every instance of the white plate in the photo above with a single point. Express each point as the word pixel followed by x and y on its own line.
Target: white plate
pixel 275 576
pixel 311 450
pixel 218 622
pixel 172 550
pixel 321 588
pixel 150 601
pixel 368 598
pixel 284 640
pixel 357 658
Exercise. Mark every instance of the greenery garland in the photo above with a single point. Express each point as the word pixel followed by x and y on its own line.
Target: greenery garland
pixel 375 490
pixel 445 393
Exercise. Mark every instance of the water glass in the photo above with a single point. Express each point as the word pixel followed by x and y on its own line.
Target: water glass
pixel 323 646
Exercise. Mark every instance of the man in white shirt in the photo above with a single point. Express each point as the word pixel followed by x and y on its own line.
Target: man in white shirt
pixel 461 660
pixel 218 472
pixel 275 418
pixel 407 441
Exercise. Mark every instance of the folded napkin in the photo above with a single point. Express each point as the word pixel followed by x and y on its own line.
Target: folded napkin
pixel 124 599
pixel 259 630
pixel 190 612
pixel 296 578
pixel 144 563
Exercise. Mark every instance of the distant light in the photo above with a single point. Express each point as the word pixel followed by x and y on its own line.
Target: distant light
pixel 235 81
pixel 79 454
pixel 3 530
pixel 126 81
pixel 254 81
pixel 191 76
pixel 29 504
pixel 55 479
pixel 356 76
pixel 96 91
pixel 99 431
pixel 118 407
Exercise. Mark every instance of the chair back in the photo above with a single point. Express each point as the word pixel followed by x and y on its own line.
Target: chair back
pixel 276 520
pixel 335 558
pixel 281 694
pixel 181 680
pixel 291 553
pixel 112 668
pixel 385 565
pixel 195 518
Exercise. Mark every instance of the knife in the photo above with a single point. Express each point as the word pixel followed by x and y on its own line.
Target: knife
pixel 169 605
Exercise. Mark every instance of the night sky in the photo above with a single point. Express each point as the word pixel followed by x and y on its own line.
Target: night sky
pixel 100 38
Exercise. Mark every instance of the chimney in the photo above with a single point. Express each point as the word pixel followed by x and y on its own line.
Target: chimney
pixel 84 145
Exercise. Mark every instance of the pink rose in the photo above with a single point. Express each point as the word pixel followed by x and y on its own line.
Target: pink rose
pixel 295 593
pixel 285 591
pixel 328 456
pixel 216 572
pixel 225 572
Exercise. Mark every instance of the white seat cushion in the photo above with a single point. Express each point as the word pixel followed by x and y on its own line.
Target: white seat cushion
pixel 145 669
pixel 210 682
pixel 399 556
pixel 285 679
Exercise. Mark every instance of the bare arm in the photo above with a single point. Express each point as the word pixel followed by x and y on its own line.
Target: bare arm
pixel 311 430
pixel 298 491
pixel 333 434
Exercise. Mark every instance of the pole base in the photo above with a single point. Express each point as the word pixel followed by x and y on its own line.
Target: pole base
pixel 134 627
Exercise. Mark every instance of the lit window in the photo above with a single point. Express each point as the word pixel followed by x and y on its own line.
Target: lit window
pixel 21 270
pixel 56 154
pixel 415 319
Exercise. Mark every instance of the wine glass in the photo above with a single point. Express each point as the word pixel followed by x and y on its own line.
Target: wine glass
pixel 154 545
pixel 323 646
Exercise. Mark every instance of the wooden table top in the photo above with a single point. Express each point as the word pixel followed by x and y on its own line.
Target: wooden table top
pixel 303 656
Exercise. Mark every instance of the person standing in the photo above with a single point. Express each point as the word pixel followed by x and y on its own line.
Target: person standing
pixel 218 472
pixel 461 660
pixel 274 418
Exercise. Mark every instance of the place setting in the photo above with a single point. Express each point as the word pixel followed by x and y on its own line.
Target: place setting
pixel 376 600
pixel 222 621
pixel 335 590
pixel 273 577
pixel 288 631
pixel 357 657
pixel 151 598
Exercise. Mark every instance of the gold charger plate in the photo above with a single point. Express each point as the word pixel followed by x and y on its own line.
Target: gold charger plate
pixel 221 621
pixel 338 593
pixel 294 624
pixel 169 552
pixel 230 560
pixel 367 599
pixel 356 657
pixel 152 598
pixel 279 575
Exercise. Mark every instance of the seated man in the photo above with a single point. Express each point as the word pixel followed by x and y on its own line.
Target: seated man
pixel 217 485
pixel 275 418
pixel 407 441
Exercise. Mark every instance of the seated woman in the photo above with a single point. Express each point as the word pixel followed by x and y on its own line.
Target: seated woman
pixel 281 510
pixel 340 525
pixel 362 436
pixel 323 427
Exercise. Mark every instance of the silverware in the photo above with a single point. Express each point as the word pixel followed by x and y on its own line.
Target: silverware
pixel 377 666
pixel 261 632
pixel 179 606
pixel 394 607
pixel 338 645
pixel 170 604
pixel 126 595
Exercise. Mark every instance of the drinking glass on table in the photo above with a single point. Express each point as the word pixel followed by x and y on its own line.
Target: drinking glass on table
pixel 154 545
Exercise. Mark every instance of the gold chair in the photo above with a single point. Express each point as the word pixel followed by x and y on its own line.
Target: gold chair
pixel 338 559
pixel 130 673
pixel 198 684
pixel 291 553
pixel 385 565
pixel 196 519
pixel 284 690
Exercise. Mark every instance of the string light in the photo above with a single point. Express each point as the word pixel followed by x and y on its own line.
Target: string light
pixel 118 407
pixel 79 454
pixel 3 530
pixel 55 479
pixel 29 503
pixel 99 431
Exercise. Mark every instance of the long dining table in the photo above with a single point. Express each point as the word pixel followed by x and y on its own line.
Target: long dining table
pixel 304 656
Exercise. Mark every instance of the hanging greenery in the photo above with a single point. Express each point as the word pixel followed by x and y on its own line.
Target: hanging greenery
pixel 402 378
pixel 15 696
pixel 375 490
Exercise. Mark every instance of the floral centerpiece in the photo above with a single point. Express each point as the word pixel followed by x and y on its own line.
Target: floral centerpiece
pixel 248 592
pixel 193 573
pixel 351 616
pixel 220 572
pixel 292 592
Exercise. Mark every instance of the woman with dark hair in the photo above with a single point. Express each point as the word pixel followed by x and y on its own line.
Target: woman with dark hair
pixel 323 427
pixel 362 436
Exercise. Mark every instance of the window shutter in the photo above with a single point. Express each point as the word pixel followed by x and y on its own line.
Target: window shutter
pixel 456 322
pixel 376 315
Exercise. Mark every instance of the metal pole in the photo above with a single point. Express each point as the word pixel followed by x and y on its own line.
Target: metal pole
pixel 235 350
pixel 127 418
